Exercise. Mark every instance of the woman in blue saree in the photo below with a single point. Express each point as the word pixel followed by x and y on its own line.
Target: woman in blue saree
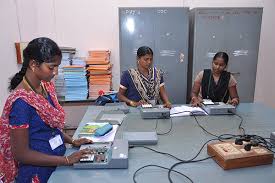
pixel 143 84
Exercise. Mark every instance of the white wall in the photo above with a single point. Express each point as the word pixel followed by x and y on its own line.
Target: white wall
pixel 8 35
pixel 90 24
pixel 265 84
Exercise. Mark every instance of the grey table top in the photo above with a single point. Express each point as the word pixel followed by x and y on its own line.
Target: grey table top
pixel 184 141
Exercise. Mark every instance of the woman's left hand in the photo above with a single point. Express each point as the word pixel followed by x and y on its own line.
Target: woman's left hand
pixel 79 142
pixel 167 105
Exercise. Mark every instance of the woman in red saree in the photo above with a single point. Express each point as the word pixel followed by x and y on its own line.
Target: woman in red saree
pixel 31 137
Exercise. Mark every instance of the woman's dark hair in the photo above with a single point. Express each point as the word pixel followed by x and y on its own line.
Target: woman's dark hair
pixel 41 50
pixel 144 50
pixel 222 55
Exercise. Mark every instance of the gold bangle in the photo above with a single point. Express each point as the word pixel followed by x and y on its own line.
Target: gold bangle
pixel 168 103
pixel 67 160
pixel 131 103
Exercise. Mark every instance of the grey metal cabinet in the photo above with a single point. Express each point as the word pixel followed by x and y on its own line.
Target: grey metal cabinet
pixel 165 30
pixel 233 30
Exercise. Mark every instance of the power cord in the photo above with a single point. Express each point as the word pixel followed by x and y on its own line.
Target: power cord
pixel 134 176
pixel 172 156
pixel 159 152
pixel 151 165
pixel 222 137
pixel 239 126
pixel 263 142
pixel 184 162
pixel 204 128
pixel 164 133
pixel 190 160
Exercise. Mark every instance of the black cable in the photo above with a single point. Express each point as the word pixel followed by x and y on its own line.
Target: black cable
pixel 222 137
pixel 193 114
pixel 228 137
pixel 261 140
pixel 164 153
pixel 184 162
pixel 204 128
pixel 164 133
pixel 159 152
pixel 181 161
pixel 201 150
pixel 134 176
pixel 240 125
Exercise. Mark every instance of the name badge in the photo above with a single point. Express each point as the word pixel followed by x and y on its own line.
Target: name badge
pixel 56 142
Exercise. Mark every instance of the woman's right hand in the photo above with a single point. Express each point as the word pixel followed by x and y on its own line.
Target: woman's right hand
pixel 76 156
pixel 196 102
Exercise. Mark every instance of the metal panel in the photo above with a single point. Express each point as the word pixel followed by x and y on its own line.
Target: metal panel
pixel 171 48
pixel 233 30
pixel 244 32
pixel 136 29
pixel 165 30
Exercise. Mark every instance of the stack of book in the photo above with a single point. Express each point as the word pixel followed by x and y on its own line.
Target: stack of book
pixel 75 82
pixel 59 83
pixel 67 57
pixel 99 73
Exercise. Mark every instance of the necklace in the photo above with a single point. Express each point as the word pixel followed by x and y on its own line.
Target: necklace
pixel 43 92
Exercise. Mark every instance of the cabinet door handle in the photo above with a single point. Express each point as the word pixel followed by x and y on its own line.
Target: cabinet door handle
pixel 181 57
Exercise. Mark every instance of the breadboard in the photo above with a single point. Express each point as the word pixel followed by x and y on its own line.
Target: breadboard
pixel 229 155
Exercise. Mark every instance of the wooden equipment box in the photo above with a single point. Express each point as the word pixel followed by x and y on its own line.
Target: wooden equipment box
pixel 229 155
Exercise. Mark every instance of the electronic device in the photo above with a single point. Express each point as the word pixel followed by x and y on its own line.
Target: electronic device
pixel 219 108
pixel 141 138
pixel 113 117
pixel 105 155
pixel 118 106
pixel 156 112
pixel 230 155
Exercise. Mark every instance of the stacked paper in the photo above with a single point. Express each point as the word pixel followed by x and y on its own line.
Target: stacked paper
pixel 75 82
pixel 99 72
pixel 59 78
pixel 60 86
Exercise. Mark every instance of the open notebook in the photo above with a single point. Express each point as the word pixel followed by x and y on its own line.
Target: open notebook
pixel 186 111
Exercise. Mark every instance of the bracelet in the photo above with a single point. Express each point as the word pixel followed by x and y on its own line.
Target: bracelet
pixel 131 103
pixel 67 160
pixel 168 103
